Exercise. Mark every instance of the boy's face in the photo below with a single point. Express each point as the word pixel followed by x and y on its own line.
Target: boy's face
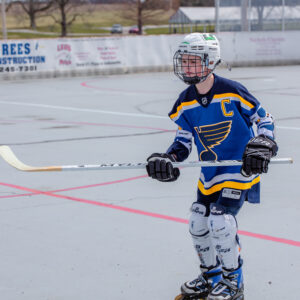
pixel 192 66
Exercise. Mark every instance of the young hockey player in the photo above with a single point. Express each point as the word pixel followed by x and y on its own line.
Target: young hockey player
pixel 218 114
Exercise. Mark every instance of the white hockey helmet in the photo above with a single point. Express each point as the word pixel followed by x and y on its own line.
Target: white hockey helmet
pixel 203 45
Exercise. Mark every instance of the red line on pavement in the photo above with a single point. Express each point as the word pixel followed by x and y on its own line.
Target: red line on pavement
pixel 145 213
pixel 127 209
pixel 77 187
pixel 269 238
pixel 101 184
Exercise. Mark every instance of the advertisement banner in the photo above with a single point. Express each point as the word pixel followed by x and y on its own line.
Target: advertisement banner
pixel 22 57
pixel 125 53
pixel 89 53
pixel 260 48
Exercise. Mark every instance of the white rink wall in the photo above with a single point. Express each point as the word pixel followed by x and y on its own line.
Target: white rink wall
pixel 114 55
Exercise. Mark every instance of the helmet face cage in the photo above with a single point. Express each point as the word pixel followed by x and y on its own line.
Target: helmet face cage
pixel 196 65
pixel 197 57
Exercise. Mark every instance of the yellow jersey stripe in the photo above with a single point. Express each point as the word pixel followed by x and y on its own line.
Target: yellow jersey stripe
pixel 227 184
pixel 226 127
pixel 228 95
pixel 180 107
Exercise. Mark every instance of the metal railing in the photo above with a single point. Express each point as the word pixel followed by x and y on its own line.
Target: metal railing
pixel 257 15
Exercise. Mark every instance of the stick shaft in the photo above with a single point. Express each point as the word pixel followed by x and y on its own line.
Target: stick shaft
pixel 190 164
pixel 8 155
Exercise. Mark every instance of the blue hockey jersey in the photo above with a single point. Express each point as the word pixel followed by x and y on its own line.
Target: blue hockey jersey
pixel 220 123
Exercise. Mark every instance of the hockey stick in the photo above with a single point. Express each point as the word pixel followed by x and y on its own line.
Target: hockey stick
pixel 12 160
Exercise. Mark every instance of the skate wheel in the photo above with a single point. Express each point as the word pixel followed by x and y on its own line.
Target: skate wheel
pixel 179 297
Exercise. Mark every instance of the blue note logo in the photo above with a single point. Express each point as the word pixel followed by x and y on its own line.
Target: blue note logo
pixel 211 136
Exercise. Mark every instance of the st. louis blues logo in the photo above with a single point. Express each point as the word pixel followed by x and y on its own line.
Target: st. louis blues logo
pixel 211 136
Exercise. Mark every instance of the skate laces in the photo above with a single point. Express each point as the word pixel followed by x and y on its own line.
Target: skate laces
pixel 230 281
pixel 199 279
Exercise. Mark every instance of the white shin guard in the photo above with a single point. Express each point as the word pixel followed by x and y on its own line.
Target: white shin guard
pixel 223 228
pixel 201 236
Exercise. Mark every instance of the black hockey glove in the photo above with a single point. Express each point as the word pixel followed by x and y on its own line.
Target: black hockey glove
pixel 160 167
pixel 257 155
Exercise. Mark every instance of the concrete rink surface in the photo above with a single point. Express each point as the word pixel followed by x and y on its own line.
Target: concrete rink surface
pixel 119 235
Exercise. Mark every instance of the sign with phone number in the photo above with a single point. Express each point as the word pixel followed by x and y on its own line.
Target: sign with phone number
pixel 20 57
pixel 18 69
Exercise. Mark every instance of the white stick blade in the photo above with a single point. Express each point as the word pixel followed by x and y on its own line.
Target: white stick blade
pixel 12 160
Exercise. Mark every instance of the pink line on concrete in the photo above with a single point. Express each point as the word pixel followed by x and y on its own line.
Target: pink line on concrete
pixel 145 213
pixel 122 208
pixel 77 187
pixel 269 238
pixel 18 195
pixel 100 184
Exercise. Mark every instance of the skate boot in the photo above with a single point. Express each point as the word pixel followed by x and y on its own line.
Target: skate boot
pixel 199 288
pixel 231 287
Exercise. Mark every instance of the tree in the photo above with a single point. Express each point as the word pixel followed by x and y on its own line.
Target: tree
pixel 144 10
pixel 68 12
pixel 260 6
pixel 33 8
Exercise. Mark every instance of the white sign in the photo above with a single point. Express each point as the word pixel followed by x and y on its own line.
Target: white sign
pixel 59 56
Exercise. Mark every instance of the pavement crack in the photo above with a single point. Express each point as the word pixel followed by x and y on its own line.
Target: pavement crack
pixel 83 138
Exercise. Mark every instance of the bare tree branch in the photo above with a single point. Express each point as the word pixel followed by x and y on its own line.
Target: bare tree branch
pixel 8 6
pixel 143 11
pixel 73 19
pixel 68 13
pixel 54 18
pixel 33 7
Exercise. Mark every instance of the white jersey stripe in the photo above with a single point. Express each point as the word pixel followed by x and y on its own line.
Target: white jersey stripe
pixel 223 177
